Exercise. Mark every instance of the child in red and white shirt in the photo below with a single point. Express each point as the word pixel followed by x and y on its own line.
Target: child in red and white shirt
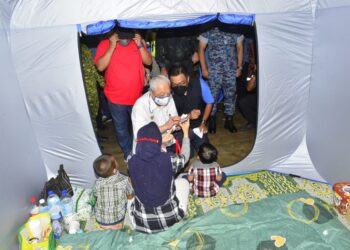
pixel 205 174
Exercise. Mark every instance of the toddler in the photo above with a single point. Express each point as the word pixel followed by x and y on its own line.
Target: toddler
pixel 205 174
pixel 111 191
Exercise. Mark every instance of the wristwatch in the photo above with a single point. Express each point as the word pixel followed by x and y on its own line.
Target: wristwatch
pixel 239 67
pixel 140 46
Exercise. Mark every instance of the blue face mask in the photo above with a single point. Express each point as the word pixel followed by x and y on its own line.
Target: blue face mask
pixel 161 101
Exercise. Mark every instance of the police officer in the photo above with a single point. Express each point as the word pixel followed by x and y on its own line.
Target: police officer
pixel 221 67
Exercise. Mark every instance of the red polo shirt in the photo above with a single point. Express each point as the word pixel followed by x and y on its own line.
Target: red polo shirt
pixel 125 73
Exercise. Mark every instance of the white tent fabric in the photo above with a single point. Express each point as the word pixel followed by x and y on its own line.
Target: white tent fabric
pixel 328 137
pixel 303 93
pixel 48 13
pixel 49 72
pixel 22 169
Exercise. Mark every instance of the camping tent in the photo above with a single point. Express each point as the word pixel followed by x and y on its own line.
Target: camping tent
pixel 302 124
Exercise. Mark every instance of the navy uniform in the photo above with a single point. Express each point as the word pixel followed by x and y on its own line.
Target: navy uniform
pixel 221 59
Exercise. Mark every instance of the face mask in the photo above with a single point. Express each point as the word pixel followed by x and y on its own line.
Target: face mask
pixel 124 42
pixel 179 90
pixel 162 101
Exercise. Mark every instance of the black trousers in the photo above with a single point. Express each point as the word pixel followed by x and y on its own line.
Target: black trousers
pixel 242 83
pixel 248 107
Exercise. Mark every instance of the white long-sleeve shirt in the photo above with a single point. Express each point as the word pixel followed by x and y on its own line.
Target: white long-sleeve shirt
pixel 146 111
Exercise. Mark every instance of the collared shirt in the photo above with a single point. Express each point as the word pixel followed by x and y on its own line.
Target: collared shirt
pixel 111 198
pixel 146 111
pixel 204 181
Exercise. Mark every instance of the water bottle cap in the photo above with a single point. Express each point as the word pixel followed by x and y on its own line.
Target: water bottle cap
pixel 64 192
pixel 50 192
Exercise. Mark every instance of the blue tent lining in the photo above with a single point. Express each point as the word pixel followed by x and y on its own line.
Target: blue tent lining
pixel 103 27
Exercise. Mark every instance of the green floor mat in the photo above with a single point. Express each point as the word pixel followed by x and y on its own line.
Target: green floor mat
pixel 256 186
pixel 290 221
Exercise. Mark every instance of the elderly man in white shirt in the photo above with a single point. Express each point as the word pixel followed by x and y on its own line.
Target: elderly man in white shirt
pixel 157 105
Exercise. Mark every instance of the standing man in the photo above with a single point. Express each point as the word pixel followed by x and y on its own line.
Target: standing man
pixel 224 64
pixel 175 47
pixel 122 55
pixel 190 99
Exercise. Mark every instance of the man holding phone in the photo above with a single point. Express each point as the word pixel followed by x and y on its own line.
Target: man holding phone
pixel 122 55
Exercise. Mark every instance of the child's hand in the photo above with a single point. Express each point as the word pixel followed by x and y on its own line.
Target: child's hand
pixel 185 126
pixel 167 137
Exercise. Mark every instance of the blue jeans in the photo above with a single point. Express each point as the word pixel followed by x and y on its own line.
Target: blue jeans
pixel 121 115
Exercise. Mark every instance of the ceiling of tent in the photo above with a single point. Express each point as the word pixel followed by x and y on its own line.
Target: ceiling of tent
pixel 46 13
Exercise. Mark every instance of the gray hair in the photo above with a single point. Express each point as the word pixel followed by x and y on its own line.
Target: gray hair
pixel 158 80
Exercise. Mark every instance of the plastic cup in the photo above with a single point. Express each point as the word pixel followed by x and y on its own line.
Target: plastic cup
pixel 35 228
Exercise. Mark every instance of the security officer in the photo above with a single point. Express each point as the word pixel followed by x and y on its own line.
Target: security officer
pixel 222 66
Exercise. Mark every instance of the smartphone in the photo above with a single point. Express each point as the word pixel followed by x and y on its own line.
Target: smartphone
pixel 184 118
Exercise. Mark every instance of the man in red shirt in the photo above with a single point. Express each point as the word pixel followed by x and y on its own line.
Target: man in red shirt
pixel 122 55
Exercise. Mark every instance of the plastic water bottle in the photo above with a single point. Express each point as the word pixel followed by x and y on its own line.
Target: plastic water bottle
pixel 57 227
pixel 53 203
pixel 52 200
pixel 67 204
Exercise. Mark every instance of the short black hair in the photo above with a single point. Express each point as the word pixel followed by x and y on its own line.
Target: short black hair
pixel 207 153
pixel 178 69
pixel 104 165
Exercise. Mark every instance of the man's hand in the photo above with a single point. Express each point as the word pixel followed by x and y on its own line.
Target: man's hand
pixel 175 120
pixel 113 39
pixel 195 58
pixel 138 40
pixel 203 128
pixel 238 72
pixel 205 73
pixel 195 113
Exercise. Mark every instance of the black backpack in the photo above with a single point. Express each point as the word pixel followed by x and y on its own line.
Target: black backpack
pixel 58 184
